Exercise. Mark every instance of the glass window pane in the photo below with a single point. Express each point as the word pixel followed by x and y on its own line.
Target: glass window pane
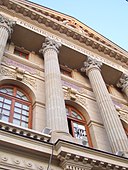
pixel 7 101
pixel 24 124
pixel 18 110
pixel 79 117
pixel 7 91
pixel 16 121
pixel 3 90
pixel 1 99
pixel 21 95
pixel 6 106
pixel 18 104
pixel 25 98
pixel 24 118
pixel 79 130
pixel 24 112
pixel 18 116
pixel 1 104
pixel 5 118
pixel 6 112
pixel 25 107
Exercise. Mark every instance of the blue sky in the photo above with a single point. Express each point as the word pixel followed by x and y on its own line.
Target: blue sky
pixel 107 17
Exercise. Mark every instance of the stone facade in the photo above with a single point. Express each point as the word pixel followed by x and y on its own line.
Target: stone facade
pixel 63 93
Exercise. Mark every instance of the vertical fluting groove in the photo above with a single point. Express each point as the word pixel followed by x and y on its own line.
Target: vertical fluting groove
pixel 55 106
pixel 111 120
pixel 3 40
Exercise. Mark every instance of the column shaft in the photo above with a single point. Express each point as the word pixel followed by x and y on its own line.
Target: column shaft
pixel 5 31
pixel 55 106
pixel 3 39
pixel 112 123
pixel 108 112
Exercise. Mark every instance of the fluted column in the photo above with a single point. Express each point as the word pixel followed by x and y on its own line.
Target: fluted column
pixel 6 26
pixel 123 84
pixel 112 123
pixel 55 106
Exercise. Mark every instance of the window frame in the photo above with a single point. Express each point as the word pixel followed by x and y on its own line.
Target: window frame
pixel 65 70
pixel 22 52
pixel 14 99
pixel 82 122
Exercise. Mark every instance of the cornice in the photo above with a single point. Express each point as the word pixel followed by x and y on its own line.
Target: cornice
pixel 71 28
pixel 80 156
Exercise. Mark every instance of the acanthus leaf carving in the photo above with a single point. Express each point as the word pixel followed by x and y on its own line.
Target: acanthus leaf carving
pixel 7 72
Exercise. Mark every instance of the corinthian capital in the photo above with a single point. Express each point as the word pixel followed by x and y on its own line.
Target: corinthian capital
pixel 91 64
pixel 50 44
pixel 8 24
pixel 123 82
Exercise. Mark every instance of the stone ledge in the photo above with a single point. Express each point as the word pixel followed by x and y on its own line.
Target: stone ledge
pixel 24 132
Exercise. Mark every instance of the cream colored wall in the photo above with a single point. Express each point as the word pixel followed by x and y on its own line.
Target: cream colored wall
pixel 35 89
pixel 25 160
pixel 94 119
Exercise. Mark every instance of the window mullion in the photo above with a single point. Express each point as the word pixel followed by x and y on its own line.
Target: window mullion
pixel 12 111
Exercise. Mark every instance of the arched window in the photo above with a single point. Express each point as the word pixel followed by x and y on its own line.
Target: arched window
pixel 15 106
pixel 77 125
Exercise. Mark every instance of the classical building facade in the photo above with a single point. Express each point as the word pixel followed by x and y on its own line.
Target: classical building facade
pixel 63 93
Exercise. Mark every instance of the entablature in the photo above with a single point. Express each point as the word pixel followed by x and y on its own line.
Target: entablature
pixel 72 155
pixel 67 28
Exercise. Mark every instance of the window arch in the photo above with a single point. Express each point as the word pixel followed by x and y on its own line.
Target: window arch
pixel 77 125
pixel 15 106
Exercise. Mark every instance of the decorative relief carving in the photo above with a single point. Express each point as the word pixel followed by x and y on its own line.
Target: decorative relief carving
pixel 30 81
pixel 7 23
pixel 81 101
pixel 16 161
pixel 91 63
pixel 20 163
pixel 71 94
pixel 40 167
pixel 7 72
pixel 123 82
pixel 123 116
pixel 72 24
pixel 4 159
pixel 50 43
pixel 122 111
pixel 19 75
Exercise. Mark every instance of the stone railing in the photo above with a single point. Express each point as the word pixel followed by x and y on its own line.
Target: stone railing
pixel 24 132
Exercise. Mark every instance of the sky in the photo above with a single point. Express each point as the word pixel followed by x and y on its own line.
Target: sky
pixel 107 17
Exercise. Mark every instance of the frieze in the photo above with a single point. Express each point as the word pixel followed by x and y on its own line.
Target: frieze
pixel 70 45
pixel 6 160
pixel 28 69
